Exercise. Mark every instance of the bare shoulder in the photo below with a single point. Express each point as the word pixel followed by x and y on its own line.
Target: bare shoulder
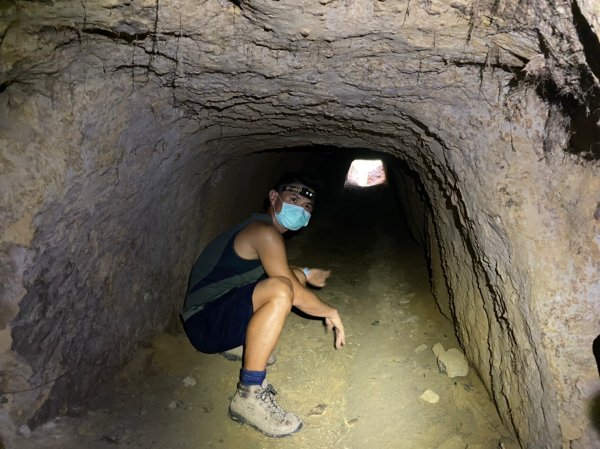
pixel 255 238
pixel 261 231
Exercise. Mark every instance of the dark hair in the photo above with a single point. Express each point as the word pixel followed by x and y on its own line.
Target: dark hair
pixel 289 178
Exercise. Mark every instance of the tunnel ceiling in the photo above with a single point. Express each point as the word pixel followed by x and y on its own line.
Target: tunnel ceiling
pixel 335 68
pixel 120 122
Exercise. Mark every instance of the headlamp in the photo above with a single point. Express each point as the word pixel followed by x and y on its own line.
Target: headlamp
pixel 301 190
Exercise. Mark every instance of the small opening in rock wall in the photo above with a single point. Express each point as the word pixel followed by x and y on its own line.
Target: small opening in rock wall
pixel 365 173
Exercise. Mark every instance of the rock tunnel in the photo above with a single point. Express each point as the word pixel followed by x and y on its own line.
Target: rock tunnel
pixel 132 130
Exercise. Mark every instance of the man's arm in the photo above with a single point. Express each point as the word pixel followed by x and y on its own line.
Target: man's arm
pixel 316 277
pixel 269 246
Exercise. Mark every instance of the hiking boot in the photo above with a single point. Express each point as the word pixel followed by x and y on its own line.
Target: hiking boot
pixel 255 405
pixel 236 355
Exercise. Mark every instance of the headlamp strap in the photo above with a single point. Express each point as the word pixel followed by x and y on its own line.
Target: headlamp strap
pixel 304 191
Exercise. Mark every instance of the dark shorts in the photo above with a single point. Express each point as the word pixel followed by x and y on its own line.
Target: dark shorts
pixel 222 323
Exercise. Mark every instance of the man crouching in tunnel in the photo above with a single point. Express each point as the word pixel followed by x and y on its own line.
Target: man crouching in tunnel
pixel 241 291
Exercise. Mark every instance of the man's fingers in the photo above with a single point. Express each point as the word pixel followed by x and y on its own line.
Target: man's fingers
pixel 328 324
pixel 340 336
pixel 340 339
pixel 338 327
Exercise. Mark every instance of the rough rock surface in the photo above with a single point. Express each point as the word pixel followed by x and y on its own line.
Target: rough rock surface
pixel 120 120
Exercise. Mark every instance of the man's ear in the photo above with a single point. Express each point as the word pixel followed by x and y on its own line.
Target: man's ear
pixel 273 195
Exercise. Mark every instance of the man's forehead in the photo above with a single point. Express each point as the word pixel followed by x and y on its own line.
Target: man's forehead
pixel 300 190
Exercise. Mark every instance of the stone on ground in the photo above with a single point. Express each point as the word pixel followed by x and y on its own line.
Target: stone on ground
pixel 454 363
pixel 430 396
pixel 437 349
pixel 421 348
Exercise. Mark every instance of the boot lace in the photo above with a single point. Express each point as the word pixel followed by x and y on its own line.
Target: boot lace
pixel 267 395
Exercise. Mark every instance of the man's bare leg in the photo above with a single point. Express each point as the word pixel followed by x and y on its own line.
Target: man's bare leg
pixel 237 353
pixel 272 301
pixel 255 404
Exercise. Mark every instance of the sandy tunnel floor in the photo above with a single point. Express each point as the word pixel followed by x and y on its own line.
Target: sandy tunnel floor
pixel 364 396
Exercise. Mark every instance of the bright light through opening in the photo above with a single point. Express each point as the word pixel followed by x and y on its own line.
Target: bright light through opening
pixel 365 173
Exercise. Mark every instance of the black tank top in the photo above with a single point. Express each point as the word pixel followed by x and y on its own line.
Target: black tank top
pixel 220 269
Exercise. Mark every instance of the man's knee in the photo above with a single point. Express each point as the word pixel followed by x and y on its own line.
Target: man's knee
pixel 280 291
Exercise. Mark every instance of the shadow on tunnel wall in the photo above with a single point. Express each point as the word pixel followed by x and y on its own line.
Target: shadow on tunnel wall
pixel 594 412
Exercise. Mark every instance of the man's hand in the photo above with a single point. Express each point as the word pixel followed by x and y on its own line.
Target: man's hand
pixel 335 323
pixel 317 277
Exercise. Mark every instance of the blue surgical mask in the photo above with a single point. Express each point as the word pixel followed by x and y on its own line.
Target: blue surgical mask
pixel 292 217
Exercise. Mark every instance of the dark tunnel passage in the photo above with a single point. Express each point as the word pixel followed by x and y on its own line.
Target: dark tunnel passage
pixel 381 285
pixel 240 190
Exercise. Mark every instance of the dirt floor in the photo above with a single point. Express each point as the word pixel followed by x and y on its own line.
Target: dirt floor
pixel 366 395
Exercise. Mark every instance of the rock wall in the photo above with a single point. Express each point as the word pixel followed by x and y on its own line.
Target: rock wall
pixel 120 121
